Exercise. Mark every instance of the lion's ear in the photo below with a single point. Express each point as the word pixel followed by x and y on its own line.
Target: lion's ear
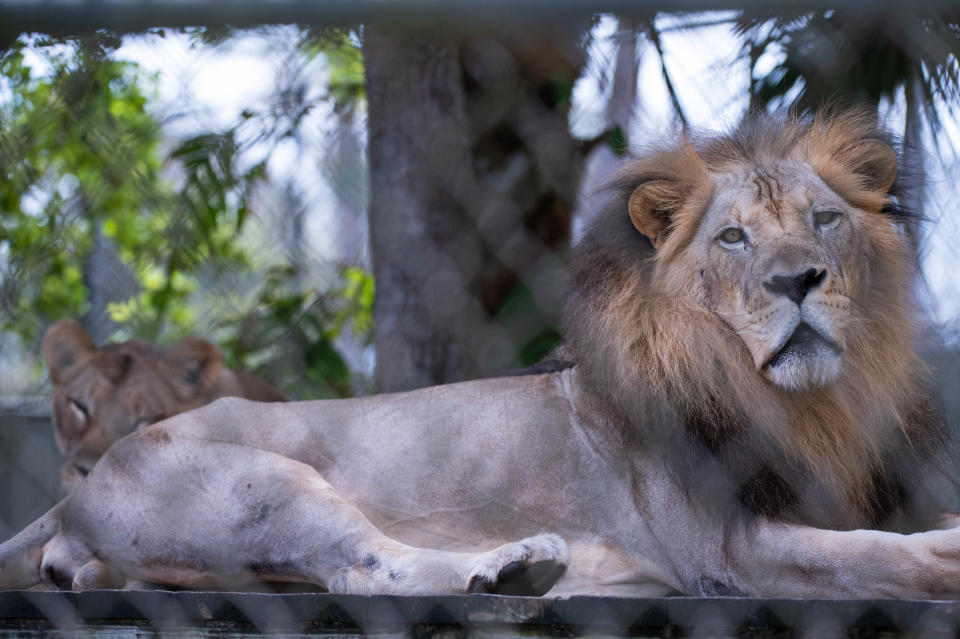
pixel 652 205
pixel 665 184
pixel 197 365
pixel 873 162
pixel 115 363
pixel 66 346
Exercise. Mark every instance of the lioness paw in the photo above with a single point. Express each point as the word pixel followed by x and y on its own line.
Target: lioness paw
pixel 528 567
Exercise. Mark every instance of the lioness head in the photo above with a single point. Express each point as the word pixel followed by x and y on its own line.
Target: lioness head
pixel 102 394
pixel 777 232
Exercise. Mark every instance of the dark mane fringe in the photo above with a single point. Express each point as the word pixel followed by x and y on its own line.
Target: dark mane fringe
pixel 676 380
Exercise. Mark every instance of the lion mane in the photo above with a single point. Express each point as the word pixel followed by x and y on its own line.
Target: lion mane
pixel 856 453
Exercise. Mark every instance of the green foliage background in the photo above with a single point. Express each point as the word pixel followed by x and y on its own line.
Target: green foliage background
pixel 81 154
pixel 83 158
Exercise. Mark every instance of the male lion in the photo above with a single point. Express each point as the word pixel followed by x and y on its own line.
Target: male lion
pixel 102 394
pixel 746 414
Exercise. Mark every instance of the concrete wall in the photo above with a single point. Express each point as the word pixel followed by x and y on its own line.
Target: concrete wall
pixel 29 464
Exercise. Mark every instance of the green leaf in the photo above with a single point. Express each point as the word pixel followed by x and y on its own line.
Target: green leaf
pixel 325 363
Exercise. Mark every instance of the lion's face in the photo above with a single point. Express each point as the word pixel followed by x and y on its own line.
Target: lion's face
pixel 782 256
pixel 103 394
pixel 115 392
pixel 772 248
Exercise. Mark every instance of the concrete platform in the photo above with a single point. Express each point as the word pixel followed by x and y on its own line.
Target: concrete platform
pixel 121 614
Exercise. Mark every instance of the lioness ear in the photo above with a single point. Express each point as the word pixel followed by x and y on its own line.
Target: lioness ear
pixel 115 363
pixel 651 206
pixel 197 364
pixel 873 161
pixel 66 345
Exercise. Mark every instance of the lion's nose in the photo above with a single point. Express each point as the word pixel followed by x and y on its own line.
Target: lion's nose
pixel 795 287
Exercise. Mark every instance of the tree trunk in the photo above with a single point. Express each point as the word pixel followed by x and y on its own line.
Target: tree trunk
pixel 424 245
pixel 623 98
pixel 107 279
pixel 473 178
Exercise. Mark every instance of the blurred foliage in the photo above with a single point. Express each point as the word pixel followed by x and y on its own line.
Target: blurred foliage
pixel 289 334
pixel 617 141
pixel 533 333
pixel 80 150
pixel 76 145
pixel 853 56
pixel 80 153
pixel 346 85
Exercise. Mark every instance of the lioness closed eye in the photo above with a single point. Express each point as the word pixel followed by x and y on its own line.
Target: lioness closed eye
pixel 745 413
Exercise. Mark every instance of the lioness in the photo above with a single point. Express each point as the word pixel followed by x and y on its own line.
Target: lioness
pixel 746 414
pixel 102 394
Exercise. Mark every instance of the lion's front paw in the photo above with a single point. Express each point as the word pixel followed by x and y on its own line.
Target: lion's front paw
pixel 528 567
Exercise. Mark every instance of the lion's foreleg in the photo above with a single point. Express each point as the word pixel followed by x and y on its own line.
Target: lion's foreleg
pixel 765 558
pixel 326 540
pixel 798 561
pixel 348 554
pixel 527 567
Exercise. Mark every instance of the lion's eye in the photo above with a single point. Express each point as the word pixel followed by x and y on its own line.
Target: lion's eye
pixel 80 410
pixel 826 219
pixel 731 236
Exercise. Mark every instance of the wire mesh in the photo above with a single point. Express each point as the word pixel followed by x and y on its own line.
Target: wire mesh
pixel 215 182
pixel 113 613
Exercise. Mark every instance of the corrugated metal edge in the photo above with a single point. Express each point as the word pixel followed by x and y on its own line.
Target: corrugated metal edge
pixel 24 406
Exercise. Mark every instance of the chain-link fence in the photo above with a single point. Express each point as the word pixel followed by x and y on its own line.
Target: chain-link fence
pixel 345 209
pixel 204 614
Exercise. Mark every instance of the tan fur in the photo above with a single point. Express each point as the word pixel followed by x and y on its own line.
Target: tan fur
pixel 102 394
pixel 739 402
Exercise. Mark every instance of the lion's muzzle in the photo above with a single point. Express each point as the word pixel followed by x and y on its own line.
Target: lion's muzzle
pixel 795 287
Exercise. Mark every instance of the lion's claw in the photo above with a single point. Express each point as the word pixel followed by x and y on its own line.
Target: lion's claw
pixel 525 568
